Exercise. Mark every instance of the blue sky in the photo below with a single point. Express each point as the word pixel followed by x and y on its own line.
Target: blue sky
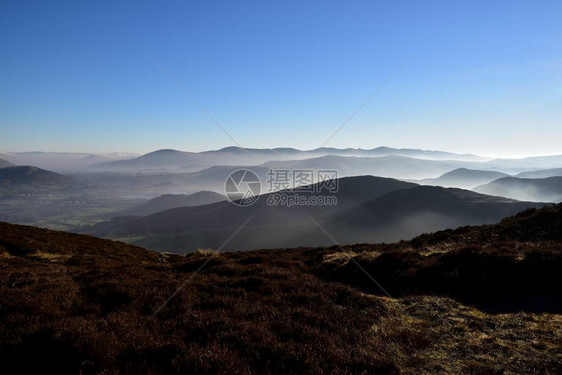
pixel 485 77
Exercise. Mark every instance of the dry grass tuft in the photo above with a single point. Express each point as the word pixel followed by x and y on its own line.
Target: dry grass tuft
pixel 205 252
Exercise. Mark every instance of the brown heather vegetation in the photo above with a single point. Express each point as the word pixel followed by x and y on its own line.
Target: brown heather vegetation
pixel 477 300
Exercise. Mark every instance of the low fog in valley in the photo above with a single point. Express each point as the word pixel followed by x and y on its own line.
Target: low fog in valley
pixel 131 197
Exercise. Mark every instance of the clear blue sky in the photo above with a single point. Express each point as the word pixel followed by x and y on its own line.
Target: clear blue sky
pixel 486 76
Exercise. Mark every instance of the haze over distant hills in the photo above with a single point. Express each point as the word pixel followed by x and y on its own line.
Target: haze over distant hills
pixel 531 189
pixel 523 164
pixel 246 156
pixel 109 185
pixel 425 164
pixel 204 226
pixel 369 209
pixel 63 161
pixel 387 166
pixel 541 173
pixel 464 178
pixel 406 213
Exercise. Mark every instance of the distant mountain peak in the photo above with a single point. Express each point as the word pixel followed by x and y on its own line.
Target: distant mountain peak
pixel 166 151
pixel 232 148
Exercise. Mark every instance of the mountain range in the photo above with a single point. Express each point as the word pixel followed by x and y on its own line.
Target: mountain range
pixel 229 156
pixel 180 161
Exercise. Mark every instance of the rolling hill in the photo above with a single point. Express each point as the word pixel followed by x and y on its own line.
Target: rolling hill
pixel 464 178
pixel 541 173
pixel 213 178
pixel 368 209
pixel 22 176
pixel 79 304
pixel 537 190
pixel 403 214
pixel 202 226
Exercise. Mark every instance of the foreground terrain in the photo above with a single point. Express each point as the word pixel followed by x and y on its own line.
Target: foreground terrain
pixel 481 300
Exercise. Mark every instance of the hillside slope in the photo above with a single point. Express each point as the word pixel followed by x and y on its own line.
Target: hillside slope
pixel 407 213
pixel 352 190
pixel 19 176
pixel 5 163
pixel 77 304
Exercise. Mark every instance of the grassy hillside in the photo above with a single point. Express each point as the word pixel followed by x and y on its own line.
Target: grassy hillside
pixel 74 303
